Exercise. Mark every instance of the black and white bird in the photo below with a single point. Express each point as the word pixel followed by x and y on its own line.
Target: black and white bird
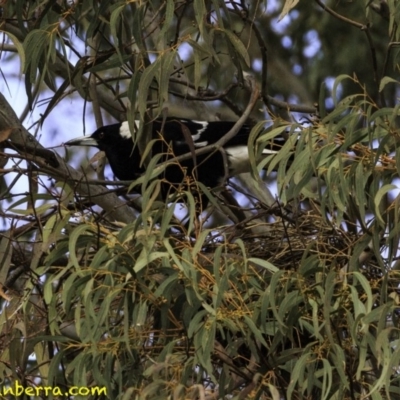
pixel 173 137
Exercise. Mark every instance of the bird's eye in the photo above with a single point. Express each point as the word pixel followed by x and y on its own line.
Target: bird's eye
pixel 101 135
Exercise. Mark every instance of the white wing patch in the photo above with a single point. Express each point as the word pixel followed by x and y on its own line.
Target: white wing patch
pixel 269 151
pixel 197 135
pixel 124 129
pixel 200 144
pixel 204 125
pixel 238 158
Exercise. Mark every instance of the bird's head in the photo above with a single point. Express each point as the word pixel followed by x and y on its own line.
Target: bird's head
pixel 104 138
pixel 116 141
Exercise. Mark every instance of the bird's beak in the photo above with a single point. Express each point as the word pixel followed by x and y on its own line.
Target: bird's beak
pixel 82 141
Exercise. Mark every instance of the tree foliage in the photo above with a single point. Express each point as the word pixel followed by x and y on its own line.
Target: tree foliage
pixel 292 295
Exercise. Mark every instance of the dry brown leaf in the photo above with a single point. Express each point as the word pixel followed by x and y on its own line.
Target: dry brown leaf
pixel 5 134
pixel 3 295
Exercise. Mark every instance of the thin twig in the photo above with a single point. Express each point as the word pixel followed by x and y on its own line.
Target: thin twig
pixel 341 17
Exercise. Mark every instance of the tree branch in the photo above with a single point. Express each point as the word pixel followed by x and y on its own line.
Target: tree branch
pixel 57 168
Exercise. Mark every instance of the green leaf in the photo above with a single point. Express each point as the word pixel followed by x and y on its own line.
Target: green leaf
pixel 114 22
pixel 6 250
pixel 115 61
pixel 255 330
pixel 238 45
pixel 34 46
pixel 300 368
pixel 289 5
pixel 264 264
pixel 20 49
pixel 198 65
pixel 146 80
pixel 378 198
pixel 337 83
pixel 166 68
pixel 74 245
pixel 145 258
pixel 169 14
pixel 385 80
pixel 200 13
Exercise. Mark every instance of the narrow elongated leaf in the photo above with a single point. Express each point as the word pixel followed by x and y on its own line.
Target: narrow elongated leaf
pixel 20 49
pixel 378 198
pixel 238 45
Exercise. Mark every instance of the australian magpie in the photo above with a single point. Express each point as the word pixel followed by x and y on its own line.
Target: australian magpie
pixel 175 137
